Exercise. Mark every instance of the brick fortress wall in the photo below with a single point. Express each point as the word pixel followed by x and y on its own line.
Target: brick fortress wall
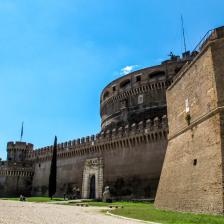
pixel 192 174
pixel 132 158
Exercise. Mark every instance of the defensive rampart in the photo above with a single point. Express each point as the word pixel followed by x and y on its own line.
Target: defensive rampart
pixel 132 158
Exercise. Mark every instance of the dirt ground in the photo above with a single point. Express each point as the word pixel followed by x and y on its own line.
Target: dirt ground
pixel 14 212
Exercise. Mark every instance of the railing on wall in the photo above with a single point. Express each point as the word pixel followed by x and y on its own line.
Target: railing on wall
pixel 204 40
pixel 210 35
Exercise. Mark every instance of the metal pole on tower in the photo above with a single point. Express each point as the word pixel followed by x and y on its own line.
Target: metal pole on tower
pixel 183 33
pixel 21 134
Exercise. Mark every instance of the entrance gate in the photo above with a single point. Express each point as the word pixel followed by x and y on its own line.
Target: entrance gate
pixel 92 193
pixel 92 183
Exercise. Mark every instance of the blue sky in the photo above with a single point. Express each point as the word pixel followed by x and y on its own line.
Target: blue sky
pixel 57 56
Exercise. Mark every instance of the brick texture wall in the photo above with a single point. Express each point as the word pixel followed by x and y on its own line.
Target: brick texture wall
pixel 192 174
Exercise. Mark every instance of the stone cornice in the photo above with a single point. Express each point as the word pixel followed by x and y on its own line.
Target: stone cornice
pixel 144 88
pixel 197 121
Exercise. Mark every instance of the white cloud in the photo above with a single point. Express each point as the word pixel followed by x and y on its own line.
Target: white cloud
pixel 127 69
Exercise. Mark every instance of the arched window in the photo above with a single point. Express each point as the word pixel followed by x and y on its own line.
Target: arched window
pixel 125 84
pixel 158 75
pixel 138 78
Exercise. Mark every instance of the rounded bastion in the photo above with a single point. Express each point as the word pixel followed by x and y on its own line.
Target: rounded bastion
pixel 138 96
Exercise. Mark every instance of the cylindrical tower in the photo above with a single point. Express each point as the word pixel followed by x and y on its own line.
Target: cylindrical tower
pixel 138 96
pixel 18 151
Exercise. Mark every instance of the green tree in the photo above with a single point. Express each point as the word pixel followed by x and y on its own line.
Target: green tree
pixel 53 172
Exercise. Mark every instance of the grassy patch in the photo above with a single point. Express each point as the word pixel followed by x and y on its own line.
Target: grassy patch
pixel 36 199
pixel 147 212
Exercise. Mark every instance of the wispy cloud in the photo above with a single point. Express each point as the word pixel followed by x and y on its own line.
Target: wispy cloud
pixel 127 69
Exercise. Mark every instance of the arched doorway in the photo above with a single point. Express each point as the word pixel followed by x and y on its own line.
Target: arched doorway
pixel 92 180
pixel 92 189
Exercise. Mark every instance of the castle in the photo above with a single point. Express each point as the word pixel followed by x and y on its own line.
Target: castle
pixel 128 154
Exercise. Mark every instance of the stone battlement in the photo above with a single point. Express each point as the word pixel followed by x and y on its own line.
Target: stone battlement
pixel 19 146
pixel 150 130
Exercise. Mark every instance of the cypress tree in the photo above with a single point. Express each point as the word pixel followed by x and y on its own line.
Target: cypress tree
pixel 53 172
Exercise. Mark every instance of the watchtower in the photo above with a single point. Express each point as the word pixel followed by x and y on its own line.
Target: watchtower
pixel 18 151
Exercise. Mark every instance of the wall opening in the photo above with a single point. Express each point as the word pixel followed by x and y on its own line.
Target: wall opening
pixel 92 184
pixel 195 162
pixel 92 187
pixel 158 75
pixel 138 78
pixel 125 84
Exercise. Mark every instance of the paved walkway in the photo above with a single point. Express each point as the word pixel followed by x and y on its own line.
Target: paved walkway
pixel 13 212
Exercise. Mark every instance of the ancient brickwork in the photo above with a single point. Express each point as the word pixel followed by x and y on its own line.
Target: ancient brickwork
pixel 192 174
pixel 139 95
pixel 93 168
pixel 16 174
pixel 143 144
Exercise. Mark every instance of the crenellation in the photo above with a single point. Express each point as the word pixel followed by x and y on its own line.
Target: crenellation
pixel 82 140
pixel 87 139
pixel 73 142
pixel 103 139
pixel 120 132
pixel 65 145
pixel 164 121
pixel 93 138
pixel 156 122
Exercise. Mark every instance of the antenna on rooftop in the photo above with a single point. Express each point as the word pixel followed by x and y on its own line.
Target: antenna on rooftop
pixel 183 33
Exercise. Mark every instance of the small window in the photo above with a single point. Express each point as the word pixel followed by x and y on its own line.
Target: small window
pixel 106 95
pixel 195 162
pixel 138 78
pixel 114 88
pixel 157 75
pixel 125 84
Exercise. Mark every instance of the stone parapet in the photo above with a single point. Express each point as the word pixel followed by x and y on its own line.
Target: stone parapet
pixel 19 146
pixel 131 134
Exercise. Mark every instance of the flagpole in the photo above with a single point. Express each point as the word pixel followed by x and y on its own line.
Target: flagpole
pixel 21 134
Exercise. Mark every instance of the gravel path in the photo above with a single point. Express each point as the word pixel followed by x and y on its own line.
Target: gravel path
pixel 12 212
